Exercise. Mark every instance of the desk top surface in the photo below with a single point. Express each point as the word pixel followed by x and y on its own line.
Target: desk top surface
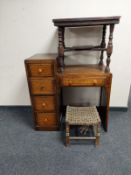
pixel 49 57
pixel 84 71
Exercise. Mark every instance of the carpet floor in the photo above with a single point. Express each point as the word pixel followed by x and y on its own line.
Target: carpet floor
pixel 24 151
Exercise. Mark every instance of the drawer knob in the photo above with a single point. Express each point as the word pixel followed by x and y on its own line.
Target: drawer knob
pixel 45 119
pixel 43 104
pixel 95 81
pixel 70 82
pixel 39 70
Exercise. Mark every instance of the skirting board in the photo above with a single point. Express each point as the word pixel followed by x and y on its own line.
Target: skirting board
pixel 122 109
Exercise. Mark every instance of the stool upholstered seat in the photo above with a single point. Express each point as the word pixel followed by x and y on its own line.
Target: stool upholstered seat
pixel 83 116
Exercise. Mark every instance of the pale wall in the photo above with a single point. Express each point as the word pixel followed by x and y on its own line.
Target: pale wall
pixel 26 28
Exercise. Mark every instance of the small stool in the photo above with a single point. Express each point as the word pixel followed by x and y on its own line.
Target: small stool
pixel 84 116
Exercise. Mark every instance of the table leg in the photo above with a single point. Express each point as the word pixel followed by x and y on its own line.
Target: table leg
pixel 98 134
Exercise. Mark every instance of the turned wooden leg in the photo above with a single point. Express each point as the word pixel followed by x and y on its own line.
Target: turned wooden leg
pixel 61 46
pixel 103 44
pixel 67 134
pixel 109 48
pixel 98 134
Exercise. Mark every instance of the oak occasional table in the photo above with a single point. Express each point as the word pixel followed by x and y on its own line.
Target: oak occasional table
pixel 98 75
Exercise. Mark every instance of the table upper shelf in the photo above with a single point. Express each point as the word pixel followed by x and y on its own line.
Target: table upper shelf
pixel 105 22
pixel 79 22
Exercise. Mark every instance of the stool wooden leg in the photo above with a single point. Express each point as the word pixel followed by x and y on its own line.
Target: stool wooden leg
pixel 98 134
pixel 67 134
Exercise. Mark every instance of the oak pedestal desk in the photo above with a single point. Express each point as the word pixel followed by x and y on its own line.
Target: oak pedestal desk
pixel 47 74
pixel 45 85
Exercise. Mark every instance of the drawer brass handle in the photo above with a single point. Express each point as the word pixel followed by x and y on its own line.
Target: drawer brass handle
pixel 45 119
pixel 39 70
pixel 43 104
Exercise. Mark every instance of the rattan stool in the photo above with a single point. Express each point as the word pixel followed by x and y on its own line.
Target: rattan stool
pixel 82 116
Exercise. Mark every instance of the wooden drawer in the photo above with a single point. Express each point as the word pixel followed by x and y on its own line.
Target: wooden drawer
pixel 38 70
pixel 44 103
pixel 42 86
pixel 82 82
pixel 46 119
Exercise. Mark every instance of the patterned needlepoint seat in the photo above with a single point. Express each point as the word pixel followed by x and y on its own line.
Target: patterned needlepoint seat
pixel 85 116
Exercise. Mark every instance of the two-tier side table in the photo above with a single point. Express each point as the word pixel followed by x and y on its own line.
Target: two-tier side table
pixel 97 75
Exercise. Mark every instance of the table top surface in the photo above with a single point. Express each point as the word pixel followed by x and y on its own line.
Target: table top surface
pixel 74 22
